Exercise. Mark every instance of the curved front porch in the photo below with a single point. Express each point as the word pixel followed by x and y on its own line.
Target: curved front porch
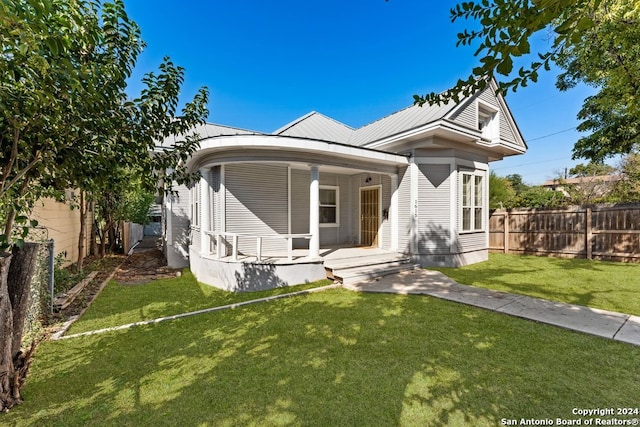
pixel 245 272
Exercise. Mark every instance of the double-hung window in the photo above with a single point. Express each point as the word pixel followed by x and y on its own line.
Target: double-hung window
pixel 472 202
pixel 329 209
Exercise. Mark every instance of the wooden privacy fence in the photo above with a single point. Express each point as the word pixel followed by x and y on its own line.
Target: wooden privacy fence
pixel 610 232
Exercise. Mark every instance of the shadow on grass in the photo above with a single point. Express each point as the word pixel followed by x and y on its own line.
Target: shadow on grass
pixel 120 304
pixel 332 358
pixel 598 284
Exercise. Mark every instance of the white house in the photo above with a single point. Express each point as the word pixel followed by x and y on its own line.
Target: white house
pixel 318 197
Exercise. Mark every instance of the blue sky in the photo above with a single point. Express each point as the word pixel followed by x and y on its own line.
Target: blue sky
pixel 268 63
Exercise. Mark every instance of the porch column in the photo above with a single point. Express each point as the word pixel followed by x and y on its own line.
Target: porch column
pixel 205 211
pixel 314 213
pixel 393 213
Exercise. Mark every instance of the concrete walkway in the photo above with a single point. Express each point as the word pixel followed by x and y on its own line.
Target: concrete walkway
pixel 608 324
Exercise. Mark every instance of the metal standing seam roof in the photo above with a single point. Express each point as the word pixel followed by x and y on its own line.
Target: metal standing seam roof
pixel 318 126
pixel 400 121
pixel 209 130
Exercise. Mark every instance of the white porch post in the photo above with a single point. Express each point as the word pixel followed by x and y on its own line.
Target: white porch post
pixel 205 211
pixel 393 213
pixel 314 213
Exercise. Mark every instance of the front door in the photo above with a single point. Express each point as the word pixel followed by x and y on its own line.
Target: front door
pixel 369 215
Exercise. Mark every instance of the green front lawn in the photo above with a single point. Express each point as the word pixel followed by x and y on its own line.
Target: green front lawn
pixel 120 304
pixel 606 285
pixel 334 358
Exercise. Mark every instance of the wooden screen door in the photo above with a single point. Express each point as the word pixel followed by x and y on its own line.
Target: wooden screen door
pixel 369 215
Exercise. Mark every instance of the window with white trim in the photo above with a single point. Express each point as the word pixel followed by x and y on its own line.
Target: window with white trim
pixel 488 121
pixel 472 201
pixel 195 205
pixel 329 208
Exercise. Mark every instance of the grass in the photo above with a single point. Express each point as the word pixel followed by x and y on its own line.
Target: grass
pixel 330 358
pixel 120 304
pixel 598 284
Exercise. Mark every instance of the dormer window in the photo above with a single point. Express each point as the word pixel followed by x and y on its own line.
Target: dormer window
pixel 488 121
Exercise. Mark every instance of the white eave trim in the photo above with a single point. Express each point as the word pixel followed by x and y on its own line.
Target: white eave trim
pixel 446 126
pixel 284 143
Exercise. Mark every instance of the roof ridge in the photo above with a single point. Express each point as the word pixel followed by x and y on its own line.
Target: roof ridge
pixel 305 117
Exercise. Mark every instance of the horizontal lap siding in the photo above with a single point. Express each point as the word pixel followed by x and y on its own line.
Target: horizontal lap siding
pixel 386 205
pixel 467 115
pixel 180 222
pixel 300 205
pixel 404 210
pixel 215 208
pixel 434 209
pixel 256 203
pixel 469 242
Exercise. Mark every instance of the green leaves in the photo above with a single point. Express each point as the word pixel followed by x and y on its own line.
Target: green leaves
pixel 594 41
pixel 65 118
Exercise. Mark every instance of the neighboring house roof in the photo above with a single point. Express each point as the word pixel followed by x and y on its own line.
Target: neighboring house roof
pixel 580 180
pixel 590 186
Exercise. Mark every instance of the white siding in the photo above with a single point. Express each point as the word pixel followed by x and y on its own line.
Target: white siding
pixel 404 210
pixel 434 209
pixel 215 199
pixel 506 132
pixel 181 234
pixel 256 202
pixel 467 115
pixel 183 202
pixel 386 205
pixel 300 205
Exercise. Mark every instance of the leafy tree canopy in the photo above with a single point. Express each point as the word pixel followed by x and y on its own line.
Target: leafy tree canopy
pixel 591 169
pixel 65 118
pixel 593 41
pixel 501 192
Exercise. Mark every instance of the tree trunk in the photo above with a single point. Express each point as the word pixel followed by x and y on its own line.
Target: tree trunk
pixel 23 265
pixel 82 237
pixel 6 336
pixel 113 237
pixel 103 240
pixel 16 272
pixel 94 232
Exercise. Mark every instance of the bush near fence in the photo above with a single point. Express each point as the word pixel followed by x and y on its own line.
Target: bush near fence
pixel 604 232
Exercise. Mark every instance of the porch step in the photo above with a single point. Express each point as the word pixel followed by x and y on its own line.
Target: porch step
pixel 358 269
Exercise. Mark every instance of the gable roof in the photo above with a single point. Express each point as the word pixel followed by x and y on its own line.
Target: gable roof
pixel 457 119
pixel 317 126
pixel 463 114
